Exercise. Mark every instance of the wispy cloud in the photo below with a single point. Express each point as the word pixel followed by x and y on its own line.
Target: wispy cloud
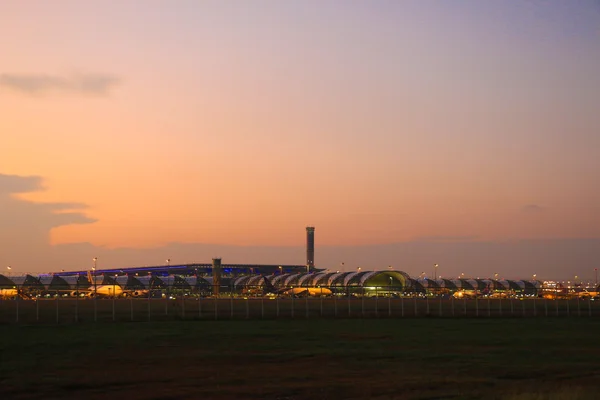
pixel 91 84
pixel 446 239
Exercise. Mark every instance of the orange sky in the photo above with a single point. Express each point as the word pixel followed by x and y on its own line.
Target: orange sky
pixel 377 123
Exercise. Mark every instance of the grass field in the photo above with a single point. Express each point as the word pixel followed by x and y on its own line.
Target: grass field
pixel 411 358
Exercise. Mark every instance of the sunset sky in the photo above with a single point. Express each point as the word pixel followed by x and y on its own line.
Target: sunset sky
pixel 150 124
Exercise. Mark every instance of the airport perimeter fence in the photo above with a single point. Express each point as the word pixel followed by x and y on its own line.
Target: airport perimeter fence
pixel 355 303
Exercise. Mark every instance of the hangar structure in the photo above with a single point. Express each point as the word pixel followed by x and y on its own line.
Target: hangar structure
pixel 358 283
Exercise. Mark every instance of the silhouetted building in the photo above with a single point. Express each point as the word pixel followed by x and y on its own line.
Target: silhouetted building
pixel 310 246
pixel 216 270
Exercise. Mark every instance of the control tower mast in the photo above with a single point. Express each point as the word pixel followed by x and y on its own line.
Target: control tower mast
pixel 310 247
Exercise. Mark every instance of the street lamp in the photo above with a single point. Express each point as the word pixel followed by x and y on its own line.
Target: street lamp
pixel 435 268
pixel 95 259
pixel 280 270
pixel 168 261
pixel 596 270
pixel 9 268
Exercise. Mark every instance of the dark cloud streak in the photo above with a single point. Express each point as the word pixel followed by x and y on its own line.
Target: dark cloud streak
pixel 89 84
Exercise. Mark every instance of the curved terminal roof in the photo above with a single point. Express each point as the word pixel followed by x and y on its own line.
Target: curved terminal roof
pixel 372 279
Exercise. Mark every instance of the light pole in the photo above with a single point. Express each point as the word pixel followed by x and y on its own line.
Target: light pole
pixel 596 270
pixel 95 259
pixel 435 268
pixel 9 268
pixel 168 261
pixel 280 270
pixel 114 295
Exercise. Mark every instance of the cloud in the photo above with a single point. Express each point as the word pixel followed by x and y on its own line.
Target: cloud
pixel 26 225
pixel 11 184
pixel 532 208
pixel 444 239
pixel 92 84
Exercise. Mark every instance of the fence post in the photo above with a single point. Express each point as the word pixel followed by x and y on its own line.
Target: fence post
pixel 76 300
pixel 334 304
pixel 402 304
pixel 131 306
pixel 199 305
pixel 376 303
pixel 17 306
pixel 348 298
pixel 590 306
pixel 216 300
pixel 247 308
pixel 57 297
pixel 362 302
pixel 306 303
pixel 415 301
pixel 578 307
pixel 321 305
pixel 489 306
pixel 512 308
pixel 37 308
pixel 441 311
pixel 277 305
pixel 182 302
pixel 231 301
pixel 500 305
pixel 568 308
pixel 113 298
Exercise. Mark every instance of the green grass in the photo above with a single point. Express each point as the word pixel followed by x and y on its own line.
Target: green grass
pixel 412 358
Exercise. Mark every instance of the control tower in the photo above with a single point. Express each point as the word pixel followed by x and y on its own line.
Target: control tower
pixel 310 247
